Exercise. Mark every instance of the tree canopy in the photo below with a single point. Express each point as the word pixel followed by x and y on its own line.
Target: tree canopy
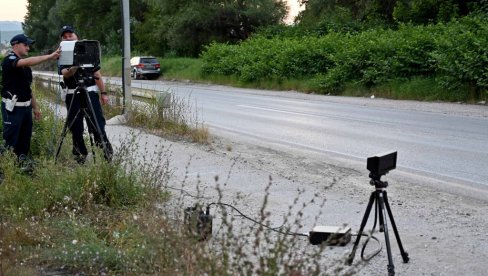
pixel 387 11
pixel 158 27
pixel 96 19
pixel 182 27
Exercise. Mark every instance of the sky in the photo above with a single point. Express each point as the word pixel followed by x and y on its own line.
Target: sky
pixel 15 10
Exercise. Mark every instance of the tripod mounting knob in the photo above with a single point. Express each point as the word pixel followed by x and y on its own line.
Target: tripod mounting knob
pixel 378 183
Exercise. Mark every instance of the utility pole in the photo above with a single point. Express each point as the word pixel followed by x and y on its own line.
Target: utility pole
pixel 126 81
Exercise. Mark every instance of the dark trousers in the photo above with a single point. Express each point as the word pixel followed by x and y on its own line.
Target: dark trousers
pixel 77 127
pixel 17 128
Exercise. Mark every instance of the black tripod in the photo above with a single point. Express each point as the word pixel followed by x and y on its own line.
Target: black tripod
pixel 380 197
pixel 86 110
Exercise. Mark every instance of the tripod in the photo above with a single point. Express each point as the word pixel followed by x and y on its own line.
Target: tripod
pixel 87 111
pixel 380 197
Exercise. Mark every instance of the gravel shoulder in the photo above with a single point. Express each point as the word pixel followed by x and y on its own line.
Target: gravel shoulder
pixel 442 225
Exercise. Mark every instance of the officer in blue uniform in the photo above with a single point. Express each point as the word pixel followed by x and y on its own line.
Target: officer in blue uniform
pixel 18 102
pixel 71 77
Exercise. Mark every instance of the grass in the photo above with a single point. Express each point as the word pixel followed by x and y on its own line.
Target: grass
pixel 62 215
pixel 111 66
pixel 125 217
pixel 421 89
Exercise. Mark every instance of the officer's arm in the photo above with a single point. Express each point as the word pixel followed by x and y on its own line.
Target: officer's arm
pixel 99 81
pixel 35 108
pixel 101 86
pixel 30 61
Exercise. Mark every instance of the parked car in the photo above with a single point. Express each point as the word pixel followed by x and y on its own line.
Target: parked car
pixel 145 67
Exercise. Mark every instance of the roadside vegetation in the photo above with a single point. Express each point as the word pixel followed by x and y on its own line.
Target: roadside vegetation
pixel 445 62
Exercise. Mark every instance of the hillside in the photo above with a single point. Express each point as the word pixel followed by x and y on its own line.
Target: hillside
pixel 8 29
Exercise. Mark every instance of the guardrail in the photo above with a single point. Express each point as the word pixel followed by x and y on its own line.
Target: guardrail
pixel 137 89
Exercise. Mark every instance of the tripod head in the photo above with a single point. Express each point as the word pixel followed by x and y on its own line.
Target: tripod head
pixel 376 181
pixel 85 76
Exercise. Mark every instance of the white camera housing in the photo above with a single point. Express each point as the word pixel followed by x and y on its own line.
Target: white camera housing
pixel 82 53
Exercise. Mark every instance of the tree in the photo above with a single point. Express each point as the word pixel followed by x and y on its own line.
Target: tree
pixel 434 11
pixel 386 12
pixel 36 25
pixel 97 19
pixel 183 27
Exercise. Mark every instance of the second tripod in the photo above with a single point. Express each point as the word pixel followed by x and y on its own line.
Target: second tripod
pixel 380 199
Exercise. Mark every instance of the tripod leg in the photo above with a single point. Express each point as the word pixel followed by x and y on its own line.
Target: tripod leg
pixel 397 236
pixel 391 267
pixel 363 224
pixel 67 125
pixel 94 121
pixel 378 209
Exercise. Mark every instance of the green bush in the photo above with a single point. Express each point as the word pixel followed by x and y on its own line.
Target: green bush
pixel 278 58
pixel 461 55
pixel 379 56
pixel 455 54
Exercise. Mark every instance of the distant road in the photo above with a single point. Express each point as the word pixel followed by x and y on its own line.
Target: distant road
pixel 448 141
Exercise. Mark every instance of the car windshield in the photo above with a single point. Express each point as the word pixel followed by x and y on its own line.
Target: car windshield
pixel 149 60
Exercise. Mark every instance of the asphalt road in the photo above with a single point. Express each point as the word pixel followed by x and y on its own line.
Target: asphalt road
pixel 451 146
pixel 434 139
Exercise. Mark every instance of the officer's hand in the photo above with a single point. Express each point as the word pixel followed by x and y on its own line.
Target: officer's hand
pixel 55 54
pixel 37 113
pixel 104 99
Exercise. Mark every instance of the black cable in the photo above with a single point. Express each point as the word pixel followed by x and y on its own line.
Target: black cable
pixel 370 236
pixel 257 222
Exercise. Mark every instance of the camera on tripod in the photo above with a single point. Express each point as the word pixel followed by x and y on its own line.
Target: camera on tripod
pixel 81 53
pixel 378 166
pixel 381 164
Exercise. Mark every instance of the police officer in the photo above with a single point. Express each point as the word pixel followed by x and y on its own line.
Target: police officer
pixel 71 77
pixel 18 102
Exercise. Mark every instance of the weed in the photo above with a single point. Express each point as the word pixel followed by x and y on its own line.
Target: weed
pixel 169 118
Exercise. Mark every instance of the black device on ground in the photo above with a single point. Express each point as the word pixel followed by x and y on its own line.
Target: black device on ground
pixel 330 235
pixel 85 75
pixel 198 222
pixel 378 166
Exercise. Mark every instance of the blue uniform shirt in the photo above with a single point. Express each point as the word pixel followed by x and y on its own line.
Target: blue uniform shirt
pixel 16 80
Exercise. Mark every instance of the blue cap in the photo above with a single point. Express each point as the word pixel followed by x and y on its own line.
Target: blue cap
pixel 21 38
pixel 66 29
